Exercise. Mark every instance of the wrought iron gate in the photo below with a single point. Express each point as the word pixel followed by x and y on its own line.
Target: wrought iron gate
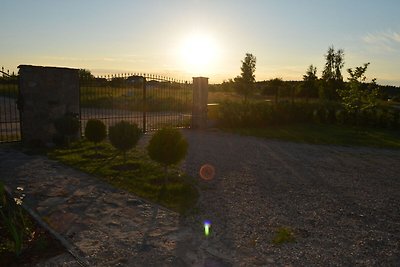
pixel 10 129
pixel 150 101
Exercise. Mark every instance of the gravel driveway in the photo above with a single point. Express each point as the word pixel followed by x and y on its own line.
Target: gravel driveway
pixel 342 203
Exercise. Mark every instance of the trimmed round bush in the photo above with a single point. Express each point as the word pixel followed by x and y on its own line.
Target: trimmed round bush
pixel 67 128
pixel 124 135
pixel 67 125
pixel 167 146
pixel 95 131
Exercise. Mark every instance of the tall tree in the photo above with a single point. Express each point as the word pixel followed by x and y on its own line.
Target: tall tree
pixel 356 97
pixel 244 83
pixel 332 75
pixel 276 84
pixel 309 86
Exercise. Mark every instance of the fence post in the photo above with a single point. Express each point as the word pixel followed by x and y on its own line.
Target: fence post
pixel 200 99
pixel 46 94
pixel 144 104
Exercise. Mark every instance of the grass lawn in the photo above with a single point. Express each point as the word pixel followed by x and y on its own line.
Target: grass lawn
pixel 138 174
pixel 328 134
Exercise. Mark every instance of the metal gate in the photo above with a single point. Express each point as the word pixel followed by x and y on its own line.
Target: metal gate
pixel 10 129
pixel 150 101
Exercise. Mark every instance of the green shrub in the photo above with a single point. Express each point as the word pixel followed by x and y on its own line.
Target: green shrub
pixel 341 116
pixel 167 146
pixel 283 235
pixel 67 127
pixel 95 131
pixel 393 119
pixel 317 116
pixel 382 118
pixel 263 114
pixel 124 136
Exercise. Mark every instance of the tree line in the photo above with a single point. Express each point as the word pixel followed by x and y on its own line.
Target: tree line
pixel 329 87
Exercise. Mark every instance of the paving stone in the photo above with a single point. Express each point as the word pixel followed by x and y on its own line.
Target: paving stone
pixel 52 202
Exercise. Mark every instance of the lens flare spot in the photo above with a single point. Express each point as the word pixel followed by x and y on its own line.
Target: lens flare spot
pixel 207 227
pixel 207 172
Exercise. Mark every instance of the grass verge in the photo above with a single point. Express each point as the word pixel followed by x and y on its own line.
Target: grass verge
pixel 138 175
pixel 328 134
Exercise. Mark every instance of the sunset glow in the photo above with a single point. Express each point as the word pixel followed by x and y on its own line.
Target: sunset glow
pixel 198 53
pixel 183 39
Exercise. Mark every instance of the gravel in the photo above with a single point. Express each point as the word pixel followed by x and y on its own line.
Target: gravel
pixel 342 203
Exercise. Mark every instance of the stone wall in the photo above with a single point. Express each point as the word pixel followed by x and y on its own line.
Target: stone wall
pixel 200 99
pixel 46 93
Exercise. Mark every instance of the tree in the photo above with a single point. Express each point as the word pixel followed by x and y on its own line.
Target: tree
pixel 167 147
pixel 276 84
pixel 356 97
pixel 85 74
pixel 309 86
pixel 124 136
pixel 67 127
pixel 331 75
pixel 95 131
pixel 244 84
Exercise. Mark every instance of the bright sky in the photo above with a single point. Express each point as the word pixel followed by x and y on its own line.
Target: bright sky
pixel 189 38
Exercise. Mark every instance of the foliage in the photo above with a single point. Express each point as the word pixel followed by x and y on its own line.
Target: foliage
pixel 95 130
pixel 124 136
pixel 244 84
pixel 66 126
pixel 139 174
pixel 167 146
pixel 283 235
pixel 13 220
pixel 85 74
pixel 356 97
pixel 309 86
pixel 263 114
pixel 331 75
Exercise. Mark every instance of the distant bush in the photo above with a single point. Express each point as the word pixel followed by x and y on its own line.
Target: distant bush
pixel 95 131
pixel 396 98
pixel 124 136
pixel 260 114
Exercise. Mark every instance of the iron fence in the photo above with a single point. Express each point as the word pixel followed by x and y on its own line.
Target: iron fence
pixel 10 129
pixel 150 101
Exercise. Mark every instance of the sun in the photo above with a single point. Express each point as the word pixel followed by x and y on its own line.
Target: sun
pixel 199 53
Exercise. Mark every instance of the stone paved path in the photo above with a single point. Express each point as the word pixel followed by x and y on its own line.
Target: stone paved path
pixel 109 227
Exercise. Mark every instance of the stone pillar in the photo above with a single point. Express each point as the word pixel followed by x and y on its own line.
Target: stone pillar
pixel 200 98
pixel 45 94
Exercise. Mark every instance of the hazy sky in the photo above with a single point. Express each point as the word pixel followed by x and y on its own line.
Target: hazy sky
pixel 189 38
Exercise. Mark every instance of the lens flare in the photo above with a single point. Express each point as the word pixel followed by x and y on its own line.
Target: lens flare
pixel 207 227
pixel 207 172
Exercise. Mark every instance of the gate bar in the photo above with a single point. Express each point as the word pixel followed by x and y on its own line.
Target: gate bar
pixel 144 105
